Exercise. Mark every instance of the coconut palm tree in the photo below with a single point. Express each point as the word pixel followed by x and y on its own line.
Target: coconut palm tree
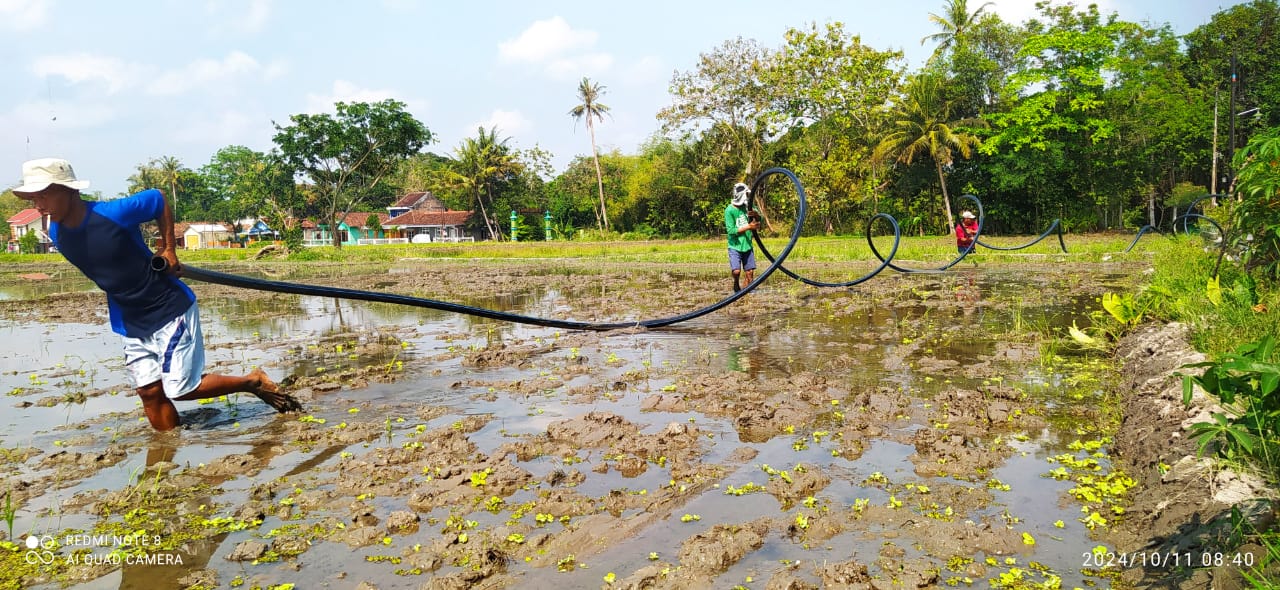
pixel 955 20
pixel 481 160
pixel 591 108
pixel 921 127
pixel 169 169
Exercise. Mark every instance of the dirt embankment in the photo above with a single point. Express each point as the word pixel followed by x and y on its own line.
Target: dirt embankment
pixel 1182 509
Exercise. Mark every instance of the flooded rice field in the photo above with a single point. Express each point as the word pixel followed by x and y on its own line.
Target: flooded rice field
pixel 914 431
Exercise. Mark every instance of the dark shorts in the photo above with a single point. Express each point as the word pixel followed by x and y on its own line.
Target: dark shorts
pixel 742 260
pixel 961 249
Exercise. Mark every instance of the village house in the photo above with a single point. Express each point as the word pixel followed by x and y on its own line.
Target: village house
pixel 195 235
pixel 29 221
pixel 354 229
pixel 422 217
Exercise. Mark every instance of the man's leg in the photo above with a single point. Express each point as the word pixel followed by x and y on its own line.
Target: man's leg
pixel 255 382
pixel 737 286
pixel 160 412
pixel 749 265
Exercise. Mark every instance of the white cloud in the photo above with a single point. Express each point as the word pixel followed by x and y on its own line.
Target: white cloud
pixel 344 91
pixel 546 40
pixel 115 73
pixel 23 15
pixel 203 73
pixel 509 124
pixel 561 51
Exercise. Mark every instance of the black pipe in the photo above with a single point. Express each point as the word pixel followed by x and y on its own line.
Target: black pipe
pixel 230 280
pixel 159 264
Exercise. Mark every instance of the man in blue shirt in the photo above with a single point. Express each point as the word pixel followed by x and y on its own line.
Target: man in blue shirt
pixel 154 312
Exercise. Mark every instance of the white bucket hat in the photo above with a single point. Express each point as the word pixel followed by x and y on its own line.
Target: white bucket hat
pixel 967 215
pixel 37 175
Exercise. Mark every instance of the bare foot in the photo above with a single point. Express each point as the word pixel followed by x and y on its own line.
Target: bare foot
pixel 269 393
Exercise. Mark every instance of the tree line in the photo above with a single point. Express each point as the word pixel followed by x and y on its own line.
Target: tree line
pixel 1073 114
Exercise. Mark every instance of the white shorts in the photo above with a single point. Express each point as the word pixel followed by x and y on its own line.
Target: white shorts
pixel 174 355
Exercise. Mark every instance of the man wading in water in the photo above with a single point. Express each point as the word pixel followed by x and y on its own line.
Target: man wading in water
pixel 154 312
pixel 739 225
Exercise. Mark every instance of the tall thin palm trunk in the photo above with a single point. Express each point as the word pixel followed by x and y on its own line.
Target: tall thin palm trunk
pixel 595 155
pixel 946 199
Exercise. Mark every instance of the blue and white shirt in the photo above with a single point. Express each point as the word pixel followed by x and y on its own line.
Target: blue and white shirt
pixel 108 248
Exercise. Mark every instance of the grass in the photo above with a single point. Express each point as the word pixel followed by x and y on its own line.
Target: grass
pixel 1246 311
pixel 929 250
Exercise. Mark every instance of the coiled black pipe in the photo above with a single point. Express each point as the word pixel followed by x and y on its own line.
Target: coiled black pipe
pixel 1057 224
pixel 897 238
pixel 888 261
pixel 210 276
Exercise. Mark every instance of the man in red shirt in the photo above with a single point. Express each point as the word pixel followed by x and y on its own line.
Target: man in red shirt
pixel 965 231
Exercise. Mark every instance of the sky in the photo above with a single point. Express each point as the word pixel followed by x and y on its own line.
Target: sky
pixel 111 85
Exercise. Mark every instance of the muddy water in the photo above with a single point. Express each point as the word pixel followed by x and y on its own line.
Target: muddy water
pixel 902 432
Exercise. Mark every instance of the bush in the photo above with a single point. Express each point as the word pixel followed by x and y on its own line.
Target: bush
pixel 1256 220
pixel 28 243
pixel 1248 385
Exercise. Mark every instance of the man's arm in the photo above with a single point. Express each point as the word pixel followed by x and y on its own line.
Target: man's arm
pixel 168 244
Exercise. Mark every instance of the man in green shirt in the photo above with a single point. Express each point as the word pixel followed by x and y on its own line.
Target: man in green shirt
pixel 739 225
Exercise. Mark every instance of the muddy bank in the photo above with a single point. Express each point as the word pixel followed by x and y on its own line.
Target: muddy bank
pixel 1181 513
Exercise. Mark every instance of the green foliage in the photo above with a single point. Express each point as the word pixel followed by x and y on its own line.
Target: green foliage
pixel 347 155
pixel 1257 216
pixel 28 243
pixel 1183 267
pixel 923 127
pixel 1123 308
pixel 1247 382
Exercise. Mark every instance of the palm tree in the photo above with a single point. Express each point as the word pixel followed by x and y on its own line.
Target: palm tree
pixel 480 161
pixel 169 168
pixel 921 128
pixel 954 22
pixel 592 109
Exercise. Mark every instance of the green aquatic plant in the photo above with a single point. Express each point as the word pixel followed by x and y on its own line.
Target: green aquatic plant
pixel 1124 308
pixel 9 511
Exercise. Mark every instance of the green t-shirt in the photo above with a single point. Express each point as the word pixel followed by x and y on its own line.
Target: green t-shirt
pixel 735 218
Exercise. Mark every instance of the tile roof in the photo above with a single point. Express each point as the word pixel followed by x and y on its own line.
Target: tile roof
pixel 429 219
pixel 413 200
pixel 358 218
pixel 25 216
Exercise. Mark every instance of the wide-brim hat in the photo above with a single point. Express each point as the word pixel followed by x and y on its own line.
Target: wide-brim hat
pixel 37 175
pixel 967 215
